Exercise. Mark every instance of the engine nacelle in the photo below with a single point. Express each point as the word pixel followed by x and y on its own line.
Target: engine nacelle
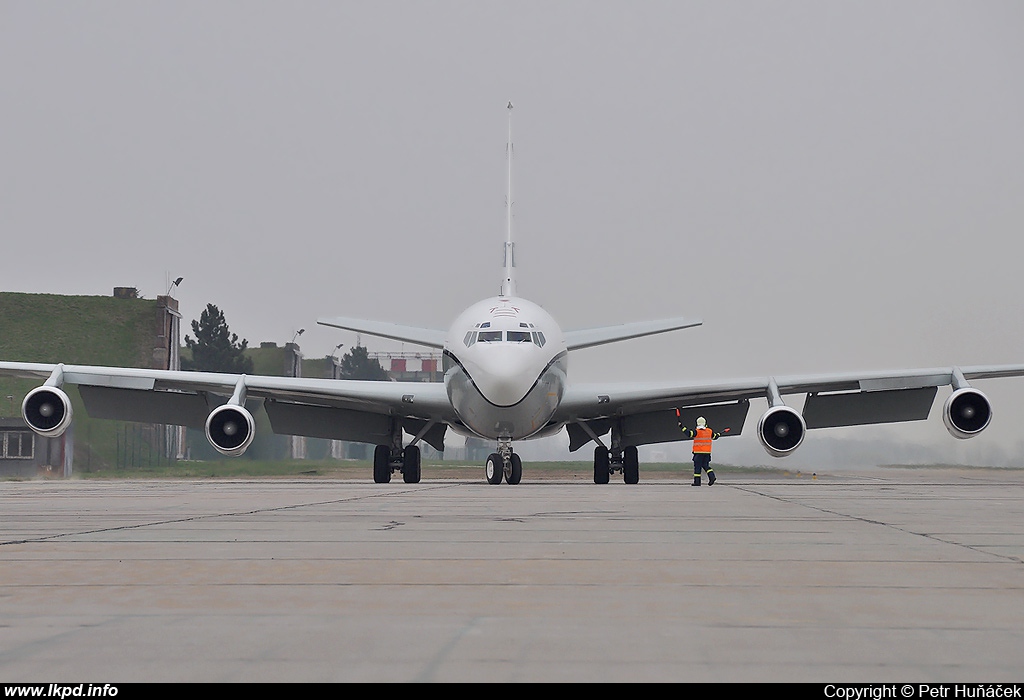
pixel 230 429
pixel 781 430
pixel 967 412
pixel 47 410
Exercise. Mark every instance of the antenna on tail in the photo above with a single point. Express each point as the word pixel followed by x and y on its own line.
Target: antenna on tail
pixel 508 286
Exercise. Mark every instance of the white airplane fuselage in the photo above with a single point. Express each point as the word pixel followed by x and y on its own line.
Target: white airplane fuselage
pixel 505 366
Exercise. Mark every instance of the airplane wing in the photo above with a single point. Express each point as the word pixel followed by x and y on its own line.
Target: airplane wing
pixel 589 337
pixel 646 413
pixel 326 408
pixel 409 334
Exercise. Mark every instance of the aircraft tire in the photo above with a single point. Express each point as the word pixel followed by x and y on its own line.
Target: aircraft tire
pixel 381 464
pixel 494 469
pixel 411 464
pixel 601 472
pixel 517 470
pixel 630 465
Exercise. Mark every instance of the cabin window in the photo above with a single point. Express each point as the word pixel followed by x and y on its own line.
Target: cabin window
pixel 518 336
pixel 538 338
pixel 469 339
pixel 489 336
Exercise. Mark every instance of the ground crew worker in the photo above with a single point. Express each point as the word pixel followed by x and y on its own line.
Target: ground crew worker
pixel 702 438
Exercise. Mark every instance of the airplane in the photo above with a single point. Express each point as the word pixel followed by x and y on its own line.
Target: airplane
pixel 505 363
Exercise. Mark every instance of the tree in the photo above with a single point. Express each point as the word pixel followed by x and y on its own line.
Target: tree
pixel 215 348
pixel 356 364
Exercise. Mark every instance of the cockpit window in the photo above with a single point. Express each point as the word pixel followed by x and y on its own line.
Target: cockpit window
pixel 474 336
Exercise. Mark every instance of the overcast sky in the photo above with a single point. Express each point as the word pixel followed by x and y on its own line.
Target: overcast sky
pixel 832 186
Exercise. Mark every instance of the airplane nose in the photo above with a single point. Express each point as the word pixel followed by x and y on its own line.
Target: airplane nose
pixel 509 373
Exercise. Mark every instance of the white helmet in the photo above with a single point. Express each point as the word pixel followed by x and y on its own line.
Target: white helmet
pixel 701 423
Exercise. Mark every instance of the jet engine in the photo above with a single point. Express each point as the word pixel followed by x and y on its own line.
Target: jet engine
pixel 781 430
pixel 230 429
pixel 47 410
pixel 967 412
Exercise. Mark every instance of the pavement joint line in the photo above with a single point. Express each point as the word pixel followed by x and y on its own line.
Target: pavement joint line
pixel 209 516
pixel 869 521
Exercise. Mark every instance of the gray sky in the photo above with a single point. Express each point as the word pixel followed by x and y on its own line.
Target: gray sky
pixel 832 186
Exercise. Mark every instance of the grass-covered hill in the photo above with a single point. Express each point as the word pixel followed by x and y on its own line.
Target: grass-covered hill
pixel 78 330
pixel 74 330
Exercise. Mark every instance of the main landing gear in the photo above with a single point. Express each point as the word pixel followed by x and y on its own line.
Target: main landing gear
pixel 504 464
pixel 387 460
pixel 625 460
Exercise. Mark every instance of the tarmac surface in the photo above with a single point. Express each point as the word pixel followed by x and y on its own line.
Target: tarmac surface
pixel 882 575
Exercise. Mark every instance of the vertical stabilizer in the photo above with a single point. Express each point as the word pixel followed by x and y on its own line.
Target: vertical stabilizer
pixel 508 286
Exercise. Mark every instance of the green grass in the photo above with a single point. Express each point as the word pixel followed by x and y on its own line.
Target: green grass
pixel 944 466
pixel 363 470
pixel 50 328
pixel 432 469
pixel 77 329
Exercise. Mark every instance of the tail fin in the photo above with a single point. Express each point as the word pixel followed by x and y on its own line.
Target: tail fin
pixel 508 286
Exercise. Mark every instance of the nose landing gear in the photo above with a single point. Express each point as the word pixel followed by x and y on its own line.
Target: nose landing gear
pixel 504 464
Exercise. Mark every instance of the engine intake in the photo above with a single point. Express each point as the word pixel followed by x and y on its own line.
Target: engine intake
pixel 966 413
pixel 47 410
pixel 230 429
pixel 781 430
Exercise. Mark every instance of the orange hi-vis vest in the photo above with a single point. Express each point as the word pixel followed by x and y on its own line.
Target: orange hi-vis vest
pixel 702 441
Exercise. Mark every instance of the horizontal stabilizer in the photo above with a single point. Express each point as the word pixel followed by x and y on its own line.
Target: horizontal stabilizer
pixel 429 337
pixel 575 340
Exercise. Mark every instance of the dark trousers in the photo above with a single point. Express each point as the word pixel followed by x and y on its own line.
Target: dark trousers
pixel 701 460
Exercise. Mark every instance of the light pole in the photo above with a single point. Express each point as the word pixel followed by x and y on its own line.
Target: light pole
pixel 298 333
pixel 174 284
pixel 334 361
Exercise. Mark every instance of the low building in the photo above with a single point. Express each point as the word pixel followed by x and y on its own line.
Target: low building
pixel 25 454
